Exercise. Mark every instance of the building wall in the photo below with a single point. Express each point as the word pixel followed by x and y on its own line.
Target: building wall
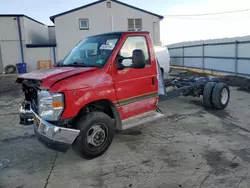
pixel 9 28
pixel 68 33
pixel 33 55
pixel 52 35
pixel 35 33
pixel 9 40
pixel 32 33
pixel 11 53
pixel 122 13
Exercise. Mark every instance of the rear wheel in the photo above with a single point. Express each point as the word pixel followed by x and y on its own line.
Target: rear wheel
pixel 207 94
pixel 96 135
pixel 220 96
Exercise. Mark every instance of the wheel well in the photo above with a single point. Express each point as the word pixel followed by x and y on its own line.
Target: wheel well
pixel 105 106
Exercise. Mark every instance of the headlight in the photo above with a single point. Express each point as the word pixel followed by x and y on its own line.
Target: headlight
pixel 50 105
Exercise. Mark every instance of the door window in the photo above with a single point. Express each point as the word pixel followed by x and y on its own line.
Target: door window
pixel 130 45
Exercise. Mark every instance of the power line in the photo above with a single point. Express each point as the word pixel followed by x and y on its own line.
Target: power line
pixel 216 18
pixel 209 14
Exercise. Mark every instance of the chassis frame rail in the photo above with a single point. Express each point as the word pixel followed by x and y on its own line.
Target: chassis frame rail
pixel 191 86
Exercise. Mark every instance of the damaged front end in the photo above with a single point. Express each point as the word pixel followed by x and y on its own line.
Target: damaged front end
pixel 26 115
pixel 30 89
pixel 43 109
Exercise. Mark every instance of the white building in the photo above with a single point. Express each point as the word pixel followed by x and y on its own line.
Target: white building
pixel 100 17
pixel 23 39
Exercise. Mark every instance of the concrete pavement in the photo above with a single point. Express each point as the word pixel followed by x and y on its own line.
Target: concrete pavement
pixel 191 147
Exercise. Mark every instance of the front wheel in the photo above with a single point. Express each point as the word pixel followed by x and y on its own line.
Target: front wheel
pixel 96 135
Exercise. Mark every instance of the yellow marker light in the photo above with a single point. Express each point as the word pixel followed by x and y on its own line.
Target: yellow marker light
pixel 57 104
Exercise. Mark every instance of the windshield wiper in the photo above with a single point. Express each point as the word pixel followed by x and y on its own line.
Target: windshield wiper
pixel 77 64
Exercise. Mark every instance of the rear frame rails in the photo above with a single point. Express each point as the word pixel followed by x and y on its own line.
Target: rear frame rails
pixel 193 86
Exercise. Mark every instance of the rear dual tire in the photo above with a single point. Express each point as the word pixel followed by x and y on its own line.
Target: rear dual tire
pixel 220 96
pixel 207 94
pixel 216 95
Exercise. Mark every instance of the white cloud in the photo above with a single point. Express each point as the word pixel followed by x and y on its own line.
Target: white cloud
pixel 178 29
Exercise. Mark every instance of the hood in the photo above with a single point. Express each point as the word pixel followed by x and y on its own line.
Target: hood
pixel 55 74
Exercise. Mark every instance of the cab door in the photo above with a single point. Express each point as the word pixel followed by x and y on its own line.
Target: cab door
pixel 136 89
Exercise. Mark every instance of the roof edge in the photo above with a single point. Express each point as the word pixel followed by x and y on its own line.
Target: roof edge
pixel 142 10
pixel 52 18
pixel 21 15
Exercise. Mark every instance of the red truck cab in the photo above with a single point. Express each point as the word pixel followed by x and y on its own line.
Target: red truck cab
pixel 107 82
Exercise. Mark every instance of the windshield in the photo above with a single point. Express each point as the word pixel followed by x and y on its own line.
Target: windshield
pixel 91 52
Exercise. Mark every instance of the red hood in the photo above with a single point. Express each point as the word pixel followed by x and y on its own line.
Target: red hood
pixel 52 75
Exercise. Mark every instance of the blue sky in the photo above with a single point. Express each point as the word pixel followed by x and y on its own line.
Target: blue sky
pixel 43 9
pixel 173 29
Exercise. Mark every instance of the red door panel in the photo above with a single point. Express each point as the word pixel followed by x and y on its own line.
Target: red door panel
pixel 136 89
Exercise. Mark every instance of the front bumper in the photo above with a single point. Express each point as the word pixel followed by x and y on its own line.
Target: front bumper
pixel 53 137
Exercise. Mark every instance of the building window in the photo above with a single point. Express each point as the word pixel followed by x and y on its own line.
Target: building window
pixel 135 24
pixel 108 4
pixel 83 24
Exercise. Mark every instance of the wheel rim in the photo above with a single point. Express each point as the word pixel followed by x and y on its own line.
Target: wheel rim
pixel 224 96
pixel 96 135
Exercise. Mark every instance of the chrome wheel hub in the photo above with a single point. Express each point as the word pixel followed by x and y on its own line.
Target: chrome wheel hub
pixel 96 135
pixel 224 96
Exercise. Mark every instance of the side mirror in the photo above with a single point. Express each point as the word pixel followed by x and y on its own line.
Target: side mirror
pixel 121 64
pixel 138 59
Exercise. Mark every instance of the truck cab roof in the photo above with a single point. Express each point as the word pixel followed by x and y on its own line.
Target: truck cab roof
pixel 122 32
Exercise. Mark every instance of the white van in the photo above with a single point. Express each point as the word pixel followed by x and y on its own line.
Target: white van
pixel 163 58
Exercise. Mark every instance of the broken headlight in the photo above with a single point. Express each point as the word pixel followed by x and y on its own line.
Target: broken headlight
pixel 50 105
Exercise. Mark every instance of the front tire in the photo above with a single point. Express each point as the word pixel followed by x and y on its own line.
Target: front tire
pixel 96 135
